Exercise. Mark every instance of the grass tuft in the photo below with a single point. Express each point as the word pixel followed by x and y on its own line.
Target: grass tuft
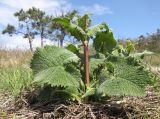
pixel 15 74
pixel 15 80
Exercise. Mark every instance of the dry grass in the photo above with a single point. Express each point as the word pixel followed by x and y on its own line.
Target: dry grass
pixel 153 60
pixel 14 57
pixel 15 74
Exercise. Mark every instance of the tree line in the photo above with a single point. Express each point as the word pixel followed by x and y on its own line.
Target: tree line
pixel 150 42
pixel 36 23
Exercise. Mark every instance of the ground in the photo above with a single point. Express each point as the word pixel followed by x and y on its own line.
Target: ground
pixel 125 108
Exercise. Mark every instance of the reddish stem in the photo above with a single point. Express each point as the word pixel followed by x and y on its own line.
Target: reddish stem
pixel 86 62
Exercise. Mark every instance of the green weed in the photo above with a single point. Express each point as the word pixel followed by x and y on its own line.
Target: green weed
pixel 15 79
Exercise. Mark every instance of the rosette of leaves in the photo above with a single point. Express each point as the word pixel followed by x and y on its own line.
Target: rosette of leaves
pixel 62 71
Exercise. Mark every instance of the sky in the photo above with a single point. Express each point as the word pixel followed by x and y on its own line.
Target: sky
pixel 126 18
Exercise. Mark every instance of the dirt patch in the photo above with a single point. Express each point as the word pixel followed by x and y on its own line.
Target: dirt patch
pixel 126 108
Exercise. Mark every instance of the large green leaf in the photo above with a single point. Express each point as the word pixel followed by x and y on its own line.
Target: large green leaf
pixel 131 73
pixel 73 29
pixel 81 29
pixel 92 31
pixel 77 32
pixel 62 21
pixel 125 79
pixel 96 65
pixel 56 67
pixel 120 87
pixel 84 21
pixel 104 42
pixel 55 76
pixel 73 48
pixel 51 56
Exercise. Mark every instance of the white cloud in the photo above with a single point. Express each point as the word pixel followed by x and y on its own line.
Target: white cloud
pixel 6 16
pixel 97 9
pixel 21 43
pixel 42 4
pixel 9 7
pixel 25 4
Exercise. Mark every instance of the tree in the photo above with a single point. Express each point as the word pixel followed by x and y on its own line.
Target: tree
pixel 32 22
pixel 82 31
pixel 40 22
pixel 24 28
pixel 150 42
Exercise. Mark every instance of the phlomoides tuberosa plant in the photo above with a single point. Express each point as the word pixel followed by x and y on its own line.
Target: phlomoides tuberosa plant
pixel 82 31
pixel 112 73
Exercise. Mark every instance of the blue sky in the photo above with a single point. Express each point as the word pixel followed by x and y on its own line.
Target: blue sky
pixel 126 18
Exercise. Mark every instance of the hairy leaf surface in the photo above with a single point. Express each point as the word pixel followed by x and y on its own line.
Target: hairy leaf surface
pixel 104 42
pixel 56 67
pixel 56 76
pixel 125 79
pixel 120 87
pixel 51 56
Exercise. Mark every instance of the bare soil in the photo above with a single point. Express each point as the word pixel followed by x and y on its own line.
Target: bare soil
pixel 116 108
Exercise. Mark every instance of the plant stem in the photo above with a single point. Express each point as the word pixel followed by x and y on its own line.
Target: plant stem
pixel 86 62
